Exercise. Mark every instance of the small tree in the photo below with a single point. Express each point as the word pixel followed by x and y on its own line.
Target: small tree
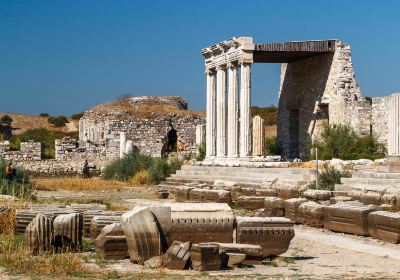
pixel 6 120
pixel 58 121
pixel 77 116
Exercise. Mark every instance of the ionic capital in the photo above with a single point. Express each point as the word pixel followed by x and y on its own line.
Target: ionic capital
pixel 210 71
pixel 221 67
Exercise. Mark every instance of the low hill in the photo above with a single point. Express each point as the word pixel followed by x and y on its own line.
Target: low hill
pixel 23 122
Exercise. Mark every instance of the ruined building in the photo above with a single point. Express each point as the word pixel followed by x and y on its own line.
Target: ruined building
pixel 317 86
pixel 156 126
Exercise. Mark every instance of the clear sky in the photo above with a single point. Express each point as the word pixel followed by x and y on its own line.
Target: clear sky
pixel 64 57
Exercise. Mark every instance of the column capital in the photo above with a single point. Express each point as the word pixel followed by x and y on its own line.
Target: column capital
pixel 221 67
pixel 233 64
pixel 209 71
pixel 244 62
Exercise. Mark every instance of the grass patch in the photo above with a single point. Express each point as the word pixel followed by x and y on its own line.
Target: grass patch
pixel 78 184
pixel 20 185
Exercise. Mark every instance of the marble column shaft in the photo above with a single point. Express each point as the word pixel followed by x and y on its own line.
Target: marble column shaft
pixel 258 136
pixel 122 144
pixel 211 114
pixel 394 125
pixel 233 111
pixel 221 111
pixel 245 102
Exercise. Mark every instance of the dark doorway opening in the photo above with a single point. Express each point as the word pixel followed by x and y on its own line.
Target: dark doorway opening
pixel 170 144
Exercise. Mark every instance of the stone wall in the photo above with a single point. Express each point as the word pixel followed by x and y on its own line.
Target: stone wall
pixel 70 148
pixel 149 134
pixel 30 151
pixel 316 91
pixel 379 118
pixel 171 101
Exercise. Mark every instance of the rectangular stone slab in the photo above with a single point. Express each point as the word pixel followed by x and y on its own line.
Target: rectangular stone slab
pixel 142 234
pixel 385 226
pixel 249 250
pixel 312 214
pixel 347 218
pixel 292 207
pixel 205 257
pixel 251 202
pixel 272 234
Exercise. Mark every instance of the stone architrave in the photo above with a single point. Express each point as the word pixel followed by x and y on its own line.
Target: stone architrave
pixel 122 144
pixel 258 136
pixel 394 125
pixel 245 102
pixel 233 111
pixel 142 234
pixel 211 113
pixel 39 234
pixel 221 111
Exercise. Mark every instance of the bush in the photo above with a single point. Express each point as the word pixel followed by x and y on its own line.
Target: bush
pixel 6 120
pixel 201 153
pixel 134 163
pixel 77 116
pixel 44 114
pixel 20 186
pixel 140 178
pixel 44 136
pixel 58 121
pixel 271 147
pixel 340 141
pixel 328 178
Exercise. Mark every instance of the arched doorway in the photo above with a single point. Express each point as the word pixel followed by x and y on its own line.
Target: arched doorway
pixel 170 143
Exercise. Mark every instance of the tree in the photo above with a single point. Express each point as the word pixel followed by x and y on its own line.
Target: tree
pixel 6 120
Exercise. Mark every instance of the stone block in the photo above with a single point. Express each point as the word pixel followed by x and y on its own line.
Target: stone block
pixel 311 213
pixel 237 191
pixel 286 191
pixel 177 255
pixel 140 227
pixel 68 231
pixel 272 234
pixel 347 218
pixel 39 234
pixel 206 257
pixel 292 207
pixel 80 208
pixel 235 259
pixel 317 195
pixel 182 193
pixel 251 202
pixel 201 222
pixel 270 192
pixel 163 219
pixel 252 251
pixel 274 207
pixel 219 196
pixel 99 222
pixel 337 199
pixel 111 243
pixel 385 226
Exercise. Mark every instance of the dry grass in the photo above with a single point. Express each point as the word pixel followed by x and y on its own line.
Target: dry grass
pixel 22 122
pixel 78 184
pixel 16 259
pixel 144 110
pixel 140 178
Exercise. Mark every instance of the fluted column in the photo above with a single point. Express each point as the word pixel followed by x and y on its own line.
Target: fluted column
pixel 245 101
pixel 394 125
pixel 211 114
pixel 233 111
pixel 221 111
pixel 258 136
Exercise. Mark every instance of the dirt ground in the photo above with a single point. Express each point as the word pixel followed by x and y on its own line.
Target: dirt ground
pixel 313 253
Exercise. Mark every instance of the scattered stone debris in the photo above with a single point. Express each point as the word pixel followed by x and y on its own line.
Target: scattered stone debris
pixel 39 234
pixel 178 255
pixel 68 231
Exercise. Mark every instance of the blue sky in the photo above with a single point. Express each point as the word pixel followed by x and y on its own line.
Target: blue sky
pixel 63 57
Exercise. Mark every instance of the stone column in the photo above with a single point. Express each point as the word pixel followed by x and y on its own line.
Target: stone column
pixel 258 136
pixel 233 111
pixel 245 102
pixel 221 111
pixel 211 114
pixel 122 144
pixel 394 125
pixel 200 135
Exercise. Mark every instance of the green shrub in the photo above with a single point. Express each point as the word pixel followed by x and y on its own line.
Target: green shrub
pixel 20 186
pixel 125 168
pixel 44 114
pixel 77 116
pixel 328 177
pixel 44 136
pixel 58 121
pixel 271 147
pixel 6 119
pixel 201 153
pixel 340 141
